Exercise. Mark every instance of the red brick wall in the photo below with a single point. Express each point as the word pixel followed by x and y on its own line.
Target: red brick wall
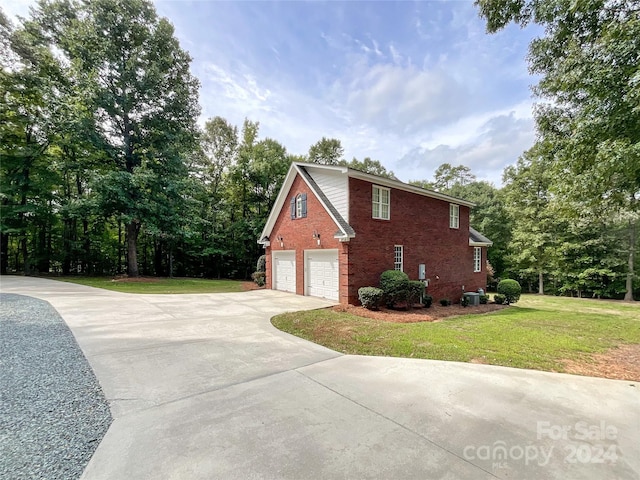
pixel 297 235
pixel 421 225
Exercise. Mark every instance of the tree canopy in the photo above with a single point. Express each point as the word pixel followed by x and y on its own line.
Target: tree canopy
pixel 104 169
pixel 588 117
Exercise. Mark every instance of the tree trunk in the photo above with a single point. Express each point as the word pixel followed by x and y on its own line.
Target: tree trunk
pixel 628 296
pixel 4 252
pixel 25 255
pixel 171 261
pixel 66 246
pixel 133 227
pixel 540 283
pixel 157 258
pixel 86 247
pixel 119 269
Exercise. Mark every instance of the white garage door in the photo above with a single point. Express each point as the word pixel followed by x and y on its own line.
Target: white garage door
pixel 284 271
pixel 321 273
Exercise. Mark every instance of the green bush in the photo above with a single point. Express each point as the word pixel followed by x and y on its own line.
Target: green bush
pixel 483 299
pixel 427 300
pixel 395 285
pixel 464 301
pixel 415 291
pixel 262 264
pixel 370 297
pixel 499 299
pixel 259 278
pixel 510 289
pixel 445 302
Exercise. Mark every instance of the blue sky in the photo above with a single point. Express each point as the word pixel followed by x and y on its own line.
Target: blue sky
pixel 412 84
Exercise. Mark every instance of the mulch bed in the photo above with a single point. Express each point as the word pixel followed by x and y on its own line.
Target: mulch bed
pixel 247 286
pixel 434 313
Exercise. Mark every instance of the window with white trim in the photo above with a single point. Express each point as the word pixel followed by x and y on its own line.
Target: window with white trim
pixel 299 206
pixel 477 259
pixel 398 257
pixel 454 215
pixel 380 200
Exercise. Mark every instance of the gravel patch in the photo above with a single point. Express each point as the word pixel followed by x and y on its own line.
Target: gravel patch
pixel 53 413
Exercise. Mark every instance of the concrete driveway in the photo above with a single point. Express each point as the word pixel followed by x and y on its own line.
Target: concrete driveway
pixel 203 387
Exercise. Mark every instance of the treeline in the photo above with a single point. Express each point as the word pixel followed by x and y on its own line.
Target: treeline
pixel 104 169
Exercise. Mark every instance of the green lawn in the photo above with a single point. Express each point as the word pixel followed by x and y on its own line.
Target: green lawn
pixel 159 285
pixel 537 332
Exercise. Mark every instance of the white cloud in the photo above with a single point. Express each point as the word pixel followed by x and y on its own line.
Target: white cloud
pixel 487 149
pixel 405 100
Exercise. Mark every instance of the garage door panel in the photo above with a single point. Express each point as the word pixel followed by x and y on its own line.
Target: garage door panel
pixel 284 271
pixel 322 273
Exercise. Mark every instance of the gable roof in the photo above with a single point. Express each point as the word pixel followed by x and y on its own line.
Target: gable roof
pixel 476 239
pixel 344 228
pixel 345 231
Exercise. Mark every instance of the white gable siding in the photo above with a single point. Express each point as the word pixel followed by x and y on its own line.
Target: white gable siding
pixel 335 185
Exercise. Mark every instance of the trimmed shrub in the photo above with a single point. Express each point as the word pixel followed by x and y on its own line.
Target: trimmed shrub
pixel 511 290
pixel 395 285
pixel 427 300
pixel 484 299
pixel 499 299
pixel 370 297
pixel 445 302
pixel 259 278
pixel 415 291
pixel 261 266
pixel 464 301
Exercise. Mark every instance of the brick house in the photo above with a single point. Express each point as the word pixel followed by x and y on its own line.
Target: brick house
pixel 333 230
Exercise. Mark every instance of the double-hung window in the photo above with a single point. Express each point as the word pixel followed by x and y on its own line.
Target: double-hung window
pixel 398 257
pixel 380 203
pixel 477 259
pixel 454 215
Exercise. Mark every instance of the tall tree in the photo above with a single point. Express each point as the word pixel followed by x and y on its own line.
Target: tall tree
pixel 327 151
pixel 142 93
pixel 446 176
pixel 535 232
pixel 29 103
pixel 219 144
pixel 588 63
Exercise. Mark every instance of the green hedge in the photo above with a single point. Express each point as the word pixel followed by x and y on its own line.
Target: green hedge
pixel 511 290
pixel 370 297
pixel 395 285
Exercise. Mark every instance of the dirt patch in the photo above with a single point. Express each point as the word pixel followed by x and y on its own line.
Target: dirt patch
pixel 621 363
pixel 125 279
pixel 433 314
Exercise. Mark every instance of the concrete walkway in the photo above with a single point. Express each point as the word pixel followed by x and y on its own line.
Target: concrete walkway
pixel 203 387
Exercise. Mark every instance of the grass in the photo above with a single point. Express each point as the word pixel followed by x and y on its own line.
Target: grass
pixel 537 333
pixel 158 285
